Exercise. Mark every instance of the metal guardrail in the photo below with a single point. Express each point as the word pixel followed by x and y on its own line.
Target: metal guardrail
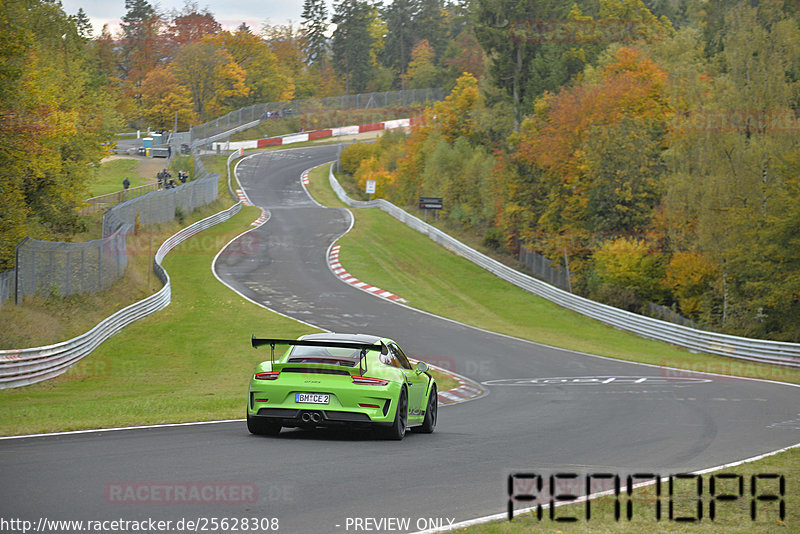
pixel 757 350
pixel 20 367
pixel 26 366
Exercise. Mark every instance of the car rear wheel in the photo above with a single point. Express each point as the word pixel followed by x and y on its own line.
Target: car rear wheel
pixel 262 426
pixel 431 412
pixel 398 429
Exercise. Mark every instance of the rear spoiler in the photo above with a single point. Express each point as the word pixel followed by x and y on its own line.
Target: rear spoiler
pixel 363 347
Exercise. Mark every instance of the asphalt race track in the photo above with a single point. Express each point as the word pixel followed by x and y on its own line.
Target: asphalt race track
pixel 548 410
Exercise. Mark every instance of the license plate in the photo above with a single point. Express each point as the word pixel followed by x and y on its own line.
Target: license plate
pixel 312 398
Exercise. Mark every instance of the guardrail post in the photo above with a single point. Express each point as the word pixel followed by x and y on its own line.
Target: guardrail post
pixel 17 269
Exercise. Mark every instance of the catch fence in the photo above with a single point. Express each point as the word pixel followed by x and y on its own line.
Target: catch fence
pixel 250 116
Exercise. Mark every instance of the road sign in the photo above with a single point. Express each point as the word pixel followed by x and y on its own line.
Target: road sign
pixel 430 203
pixel 370 187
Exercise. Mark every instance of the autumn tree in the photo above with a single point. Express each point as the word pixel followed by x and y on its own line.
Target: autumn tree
pixel 627 264
pixel 51 108
pixel 165 100
pixel 727 159
pixel 141 44
pixel 287 43
pixel 595 149
pixel 190 25
pixel 211 75
pixel 422 72
pixel 263 75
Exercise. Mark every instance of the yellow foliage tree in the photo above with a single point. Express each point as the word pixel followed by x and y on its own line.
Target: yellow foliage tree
pixel 629 263
pixel 211 75
pixel 422 73
pixel 163 98
pixel 689 276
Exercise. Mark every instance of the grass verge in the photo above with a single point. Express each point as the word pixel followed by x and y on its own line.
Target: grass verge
pixel 184 363
pixel 43 320
pixel 434 279
pixel 111 173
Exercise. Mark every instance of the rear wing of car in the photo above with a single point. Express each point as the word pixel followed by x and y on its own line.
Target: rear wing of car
pixel 363 347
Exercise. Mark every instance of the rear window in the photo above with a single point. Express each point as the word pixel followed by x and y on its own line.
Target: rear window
pixel 324 352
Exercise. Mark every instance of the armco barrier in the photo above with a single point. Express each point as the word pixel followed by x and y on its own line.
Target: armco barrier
pixel 21 367
pixel 758 350
pixel 317 134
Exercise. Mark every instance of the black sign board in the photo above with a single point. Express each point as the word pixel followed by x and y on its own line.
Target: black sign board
pixel 430 203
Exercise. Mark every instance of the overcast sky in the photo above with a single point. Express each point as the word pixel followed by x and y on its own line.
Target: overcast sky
pixel 229 13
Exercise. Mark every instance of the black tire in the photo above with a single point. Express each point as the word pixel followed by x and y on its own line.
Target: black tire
pixel 431 412
pixel 398 429
pixel 262 426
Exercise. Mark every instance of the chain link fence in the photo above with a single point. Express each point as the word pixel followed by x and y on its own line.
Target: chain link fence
pixel 7 285
pixel 104 202
pixel 542 268
pixel 61 269
pixel 49 268
pixel 258 112
pixel 162 205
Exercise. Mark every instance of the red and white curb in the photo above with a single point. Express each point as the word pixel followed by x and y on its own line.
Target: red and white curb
pixel 338 270
pixel 305 177
pixel 467 389
pixel 243 197
pixel 462 393
pixel 262 219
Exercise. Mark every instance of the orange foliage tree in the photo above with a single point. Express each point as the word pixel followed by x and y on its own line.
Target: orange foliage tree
pixel 592 154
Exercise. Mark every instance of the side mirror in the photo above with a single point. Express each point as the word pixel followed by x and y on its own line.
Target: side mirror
pixel 422 367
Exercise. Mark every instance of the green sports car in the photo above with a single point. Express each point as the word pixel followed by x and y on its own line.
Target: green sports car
pixel 341 379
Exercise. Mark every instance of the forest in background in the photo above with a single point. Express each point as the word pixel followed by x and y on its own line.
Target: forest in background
pixel 653 144
pixel 65 92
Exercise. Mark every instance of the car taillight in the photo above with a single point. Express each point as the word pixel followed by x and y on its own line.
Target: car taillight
pixel 367 381
pixel 267 376
pixel 368 405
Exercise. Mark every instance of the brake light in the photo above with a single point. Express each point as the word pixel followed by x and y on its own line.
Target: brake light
pixel 368 405
pixel 367 381
pixel 261 400
pixel 267 376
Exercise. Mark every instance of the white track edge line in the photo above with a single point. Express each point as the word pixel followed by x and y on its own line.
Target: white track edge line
pixel 115 429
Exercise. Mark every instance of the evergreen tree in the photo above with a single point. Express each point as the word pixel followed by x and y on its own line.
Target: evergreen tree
pixel 400 36
pixel 83 25
pixel 315 24
pixel 352 42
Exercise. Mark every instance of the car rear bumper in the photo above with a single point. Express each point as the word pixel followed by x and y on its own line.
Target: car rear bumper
pixel 299 417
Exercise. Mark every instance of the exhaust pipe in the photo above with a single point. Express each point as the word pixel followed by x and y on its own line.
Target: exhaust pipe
pixel 316 417
pixel 306 417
